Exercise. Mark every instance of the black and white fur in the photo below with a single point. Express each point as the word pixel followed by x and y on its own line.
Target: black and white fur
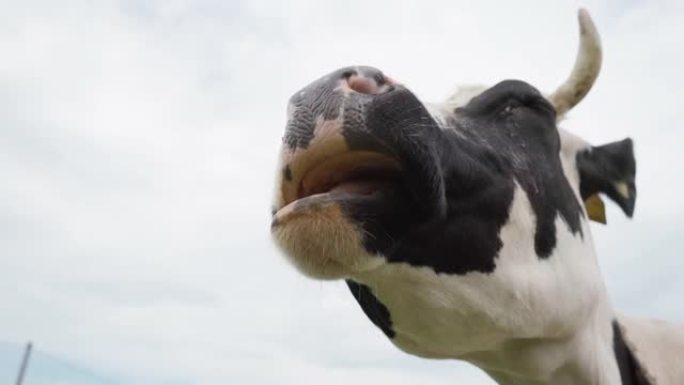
pixel 470 239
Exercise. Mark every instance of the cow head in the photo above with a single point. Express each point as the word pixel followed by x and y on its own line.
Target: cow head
pixel 458 228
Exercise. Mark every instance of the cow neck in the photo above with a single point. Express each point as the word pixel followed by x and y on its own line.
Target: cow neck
pixel 585 356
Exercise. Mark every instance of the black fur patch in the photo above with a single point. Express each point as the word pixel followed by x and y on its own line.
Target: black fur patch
pixel 504 136
pixel 458 182
pixel 519 125
pixel 374 309
pixel 397 123
pixel 630 370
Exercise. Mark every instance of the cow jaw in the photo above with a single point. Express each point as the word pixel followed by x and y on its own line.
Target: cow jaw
pixel 321 241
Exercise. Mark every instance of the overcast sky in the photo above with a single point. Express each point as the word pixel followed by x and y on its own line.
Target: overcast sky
pixel 138 152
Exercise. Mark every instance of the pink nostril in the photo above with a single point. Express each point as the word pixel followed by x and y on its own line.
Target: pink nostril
pixel 365 85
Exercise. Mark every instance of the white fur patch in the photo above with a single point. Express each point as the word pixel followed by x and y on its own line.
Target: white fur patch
pixel 454 316
pixel 463 95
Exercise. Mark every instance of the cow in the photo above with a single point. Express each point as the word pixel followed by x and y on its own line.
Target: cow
pixel 462 228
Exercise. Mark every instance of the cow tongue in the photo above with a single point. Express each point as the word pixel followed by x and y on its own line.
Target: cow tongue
pixel 357 187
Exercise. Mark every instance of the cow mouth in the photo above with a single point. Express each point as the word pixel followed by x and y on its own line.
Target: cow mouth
pixel 354 175
pixel 357 173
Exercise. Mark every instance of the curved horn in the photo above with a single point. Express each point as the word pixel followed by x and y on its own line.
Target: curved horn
pixel 585 71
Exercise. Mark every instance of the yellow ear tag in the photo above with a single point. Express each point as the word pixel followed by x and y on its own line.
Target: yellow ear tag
pixel 596 209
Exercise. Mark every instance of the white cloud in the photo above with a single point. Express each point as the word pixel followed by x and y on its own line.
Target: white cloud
pixel 139 143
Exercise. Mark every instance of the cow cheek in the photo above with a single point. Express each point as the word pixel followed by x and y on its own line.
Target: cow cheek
pixel 322 243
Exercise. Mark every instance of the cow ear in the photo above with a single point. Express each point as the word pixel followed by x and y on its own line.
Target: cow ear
pixel 610 170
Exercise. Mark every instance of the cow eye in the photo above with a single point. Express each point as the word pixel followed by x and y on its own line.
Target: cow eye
pixel 507 97
pixel 534 102
pixel 512 103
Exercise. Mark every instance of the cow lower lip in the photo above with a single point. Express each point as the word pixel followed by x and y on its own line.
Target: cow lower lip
pixel 343 194
pixel 347 177
pixel 354 190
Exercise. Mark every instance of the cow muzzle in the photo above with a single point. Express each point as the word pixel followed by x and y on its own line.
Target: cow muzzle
pixel 327 148
pixel 330 163
pixel 357 147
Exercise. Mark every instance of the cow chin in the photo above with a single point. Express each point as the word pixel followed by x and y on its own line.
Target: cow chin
pixel 321 241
